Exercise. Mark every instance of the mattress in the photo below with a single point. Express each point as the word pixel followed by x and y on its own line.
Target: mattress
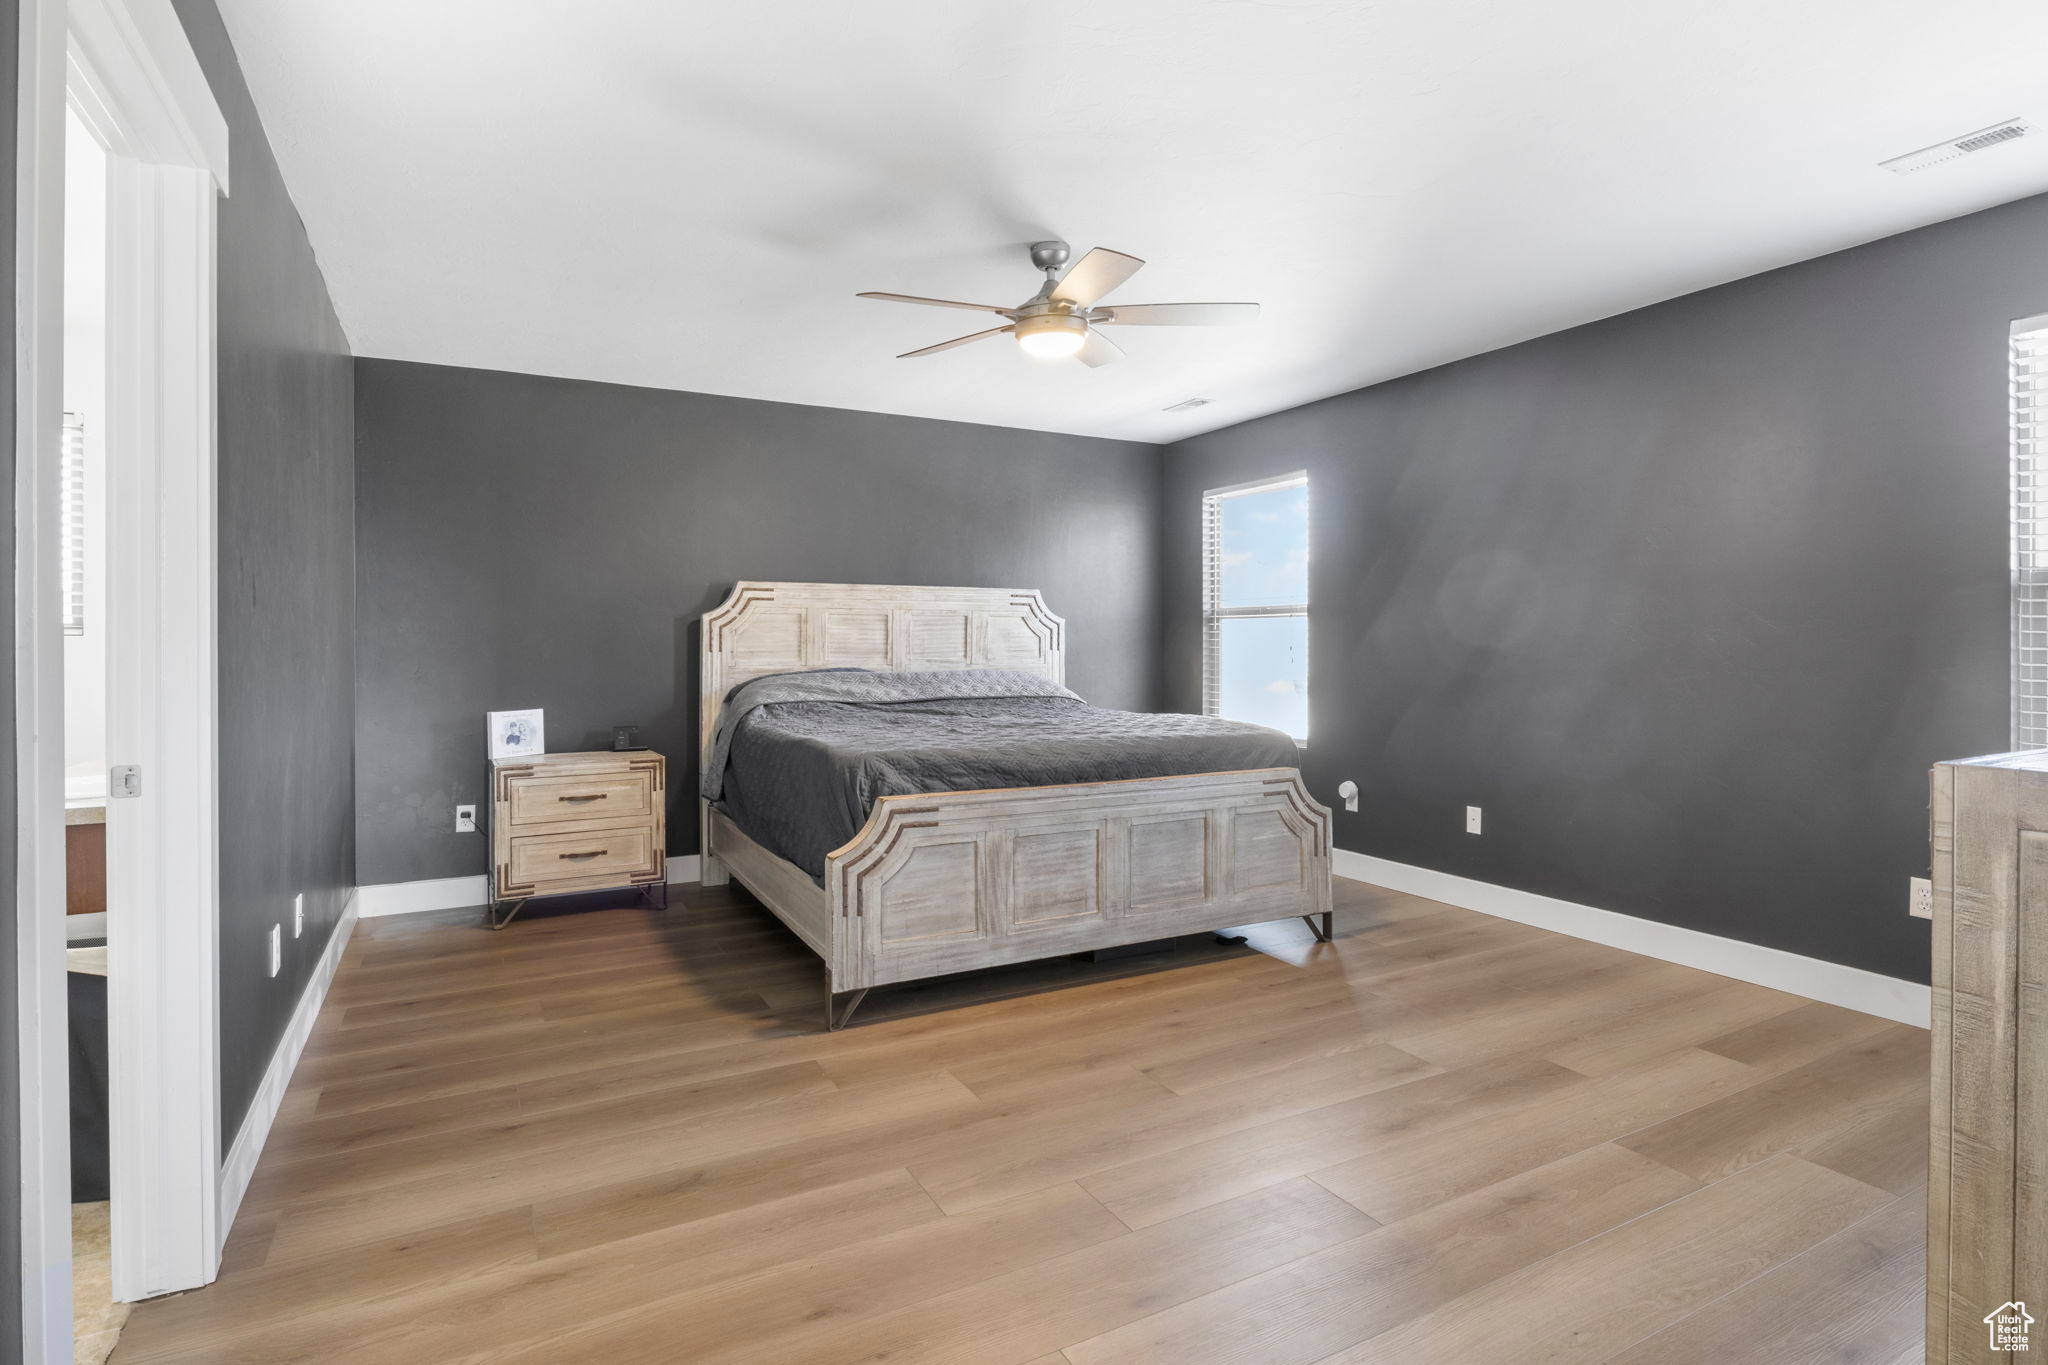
pixel 800 758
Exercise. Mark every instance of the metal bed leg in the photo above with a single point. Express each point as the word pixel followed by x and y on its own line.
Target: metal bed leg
pixel 1323 931
pixel 836 1018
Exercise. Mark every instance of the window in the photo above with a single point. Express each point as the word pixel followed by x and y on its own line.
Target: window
pixel 1255 603
pixel 72 492
pixel 2029 534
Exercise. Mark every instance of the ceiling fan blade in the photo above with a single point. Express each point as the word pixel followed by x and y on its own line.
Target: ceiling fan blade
pixel 1179 314
pixel 940 303
pixel 1094 275
pixel 956 341
pixel 1098 350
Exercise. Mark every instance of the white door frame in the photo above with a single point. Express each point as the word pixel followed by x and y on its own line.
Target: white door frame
pixel 128 70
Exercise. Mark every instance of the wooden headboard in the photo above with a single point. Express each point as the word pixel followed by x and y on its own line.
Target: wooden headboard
pixel 780 627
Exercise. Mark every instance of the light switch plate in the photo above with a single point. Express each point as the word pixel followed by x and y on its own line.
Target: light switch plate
pixel 276 949
pixel 1471 819
pixel 298 914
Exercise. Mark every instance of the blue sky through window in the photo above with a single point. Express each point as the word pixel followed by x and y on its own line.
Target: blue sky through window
pixel 1265 671
pixel 1265 548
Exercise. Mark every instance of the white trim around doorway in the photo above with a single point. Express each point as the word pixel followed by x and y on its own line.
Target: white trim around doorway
pixel 128 70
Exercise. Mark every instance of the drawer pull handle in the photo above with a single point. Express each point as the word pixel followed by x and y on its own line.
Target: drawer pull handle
pixel 595 796
pixel 579 857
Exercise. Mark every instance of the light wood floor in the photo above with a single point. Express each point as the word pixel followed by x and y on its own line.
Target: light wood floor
pixel 619 1137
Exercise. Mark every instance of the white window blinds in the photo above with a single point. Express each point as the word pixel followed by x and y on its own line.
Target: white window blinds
pixel 2029 534
pixel 72 491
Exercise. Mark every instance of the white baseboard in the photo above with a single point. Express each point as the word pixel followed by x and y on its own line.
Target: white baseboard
pixel 1850 987
pixel 240 1165
pixel 458 893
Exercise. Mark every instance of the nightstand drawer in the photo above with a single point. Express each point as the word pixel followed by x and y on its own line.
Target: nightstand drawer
pixel 611 854
pixel 547 800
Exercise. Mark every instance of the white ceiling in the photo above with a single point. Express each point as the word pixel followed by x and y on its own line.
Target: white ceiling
pixel 688 195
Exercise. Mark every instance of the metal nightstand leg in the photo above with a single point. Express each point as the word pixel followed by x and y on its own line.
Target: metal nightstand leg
pixel 492 918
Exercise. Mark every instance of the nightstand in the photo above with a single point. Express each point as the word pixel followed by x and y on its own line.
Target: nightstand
pixel 563 823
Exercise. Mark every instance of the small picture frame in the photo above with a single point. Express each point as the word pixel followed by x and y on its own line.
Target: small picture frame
pixel 517 734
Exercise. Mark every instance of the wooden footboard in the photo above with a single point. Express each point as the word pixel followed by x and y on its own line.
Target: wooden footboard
pixel 959 880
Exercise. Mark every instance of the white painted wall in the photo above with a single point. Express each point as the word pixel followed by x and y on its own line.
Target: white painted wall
pixel 85 375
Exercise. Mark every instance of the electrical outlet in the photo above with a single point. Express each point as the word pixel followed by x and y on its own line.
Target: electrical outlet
pixel 1922 904
pixel 465 819
pixel 298 914
pixel 276 949
pixel 1471 819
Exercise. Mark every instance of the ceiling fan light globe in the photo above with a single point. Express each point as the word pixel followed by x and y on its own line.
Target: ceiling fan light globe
pixel 1052 336
pixel 1051 345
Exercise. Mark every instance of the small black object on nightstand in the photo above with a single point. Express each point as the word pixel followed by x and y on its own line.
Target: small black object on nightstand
pixel 626 738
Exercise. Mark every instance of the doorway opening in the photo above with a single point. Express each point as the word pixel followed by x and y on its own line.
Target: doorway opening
pixel 123 152
pixel 82 594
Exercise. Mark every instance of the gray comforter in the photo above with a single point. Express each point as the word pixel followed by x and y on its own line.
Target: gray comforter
pixel 799 759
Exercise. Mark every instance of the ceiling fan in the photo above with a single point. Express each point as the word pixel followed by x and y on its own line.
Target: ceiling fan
pixel 1061 318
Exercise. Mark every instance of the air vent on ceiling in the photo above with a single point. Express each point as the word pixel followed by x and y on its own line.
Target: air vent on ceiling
pixel 1189 405
pixel 2009 131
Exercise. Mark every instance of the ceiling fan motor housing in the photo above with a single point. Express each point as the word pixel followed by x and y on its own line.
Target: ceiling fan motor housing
pixel 1041 324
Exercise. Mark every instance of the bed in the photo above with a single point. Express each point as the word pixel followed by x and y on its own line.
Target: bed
pixel 932 882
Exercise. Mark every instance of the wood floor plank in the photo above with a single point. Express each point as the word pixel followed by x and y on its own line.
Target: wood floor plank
pixel 576 981
pixel 1586 1004
pixel 1029 1031
pixel 1792 1108
pixel 1805 1033
pixel 1683 1020
pixel 1189 1027
pixel 1610 1292
pixel 1886 1147
pixel 367 1277
pixel 1852 1298
pixel 522 1304
pixel 696 1024
pixel 249 1245
pixel 1083 1294
pixel 1301 1312
pixel 1258 1047
pixel 603 1162
pixel 677 1081
pixel 1400 1178
pixel 505 1131
pixel 764 1316
pixel 1169 1184
pixel 609 1134
pixel 423 1082
pixel 1055 1149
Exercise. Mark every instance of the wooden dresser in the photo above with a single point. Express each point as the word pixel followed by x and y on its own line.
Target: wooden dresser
pixel 563 823
pixel 1987 1189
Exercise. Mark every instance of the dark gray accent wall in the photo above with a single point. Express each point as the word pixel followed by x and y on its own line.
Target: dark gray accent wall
pixel 287 583
pixel 10 1034
pixel 1687 599
pixel 525 541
